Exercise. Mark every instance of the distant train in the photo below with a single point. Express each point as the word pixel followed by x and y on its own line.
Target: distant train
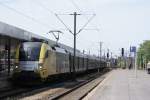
pixel 39 61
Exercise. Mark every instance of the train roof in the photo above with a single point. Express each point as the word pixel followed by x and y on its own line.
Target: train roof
pixel 58 49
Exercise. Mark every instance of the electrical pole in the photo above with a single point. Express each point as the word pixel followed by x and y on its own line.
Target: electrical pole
pixel 104 55
pixel 83 51
pixel 111 60
pixel 135 56
pixel 75 33
pixel 89 52
pixel 100 52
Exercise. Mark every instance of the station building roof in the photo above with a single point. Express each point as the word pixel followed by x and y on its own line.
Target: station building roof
pixel 14 32
pixel 21 34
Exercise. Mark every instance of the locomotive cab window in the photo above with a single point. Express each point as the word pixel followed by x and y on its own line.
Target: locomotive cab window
pixel 29 51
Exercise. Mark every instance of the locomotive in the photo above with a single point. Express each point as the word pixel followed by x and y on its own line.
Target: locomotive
pixel 40 60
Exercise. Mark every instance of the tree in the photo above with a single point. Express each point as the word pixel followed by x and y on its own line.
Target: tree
pixel 143 54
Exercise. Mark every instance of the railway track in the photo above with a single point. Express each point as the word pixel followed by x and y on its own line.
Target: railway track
pixel 10 93
pixel 81 90
pixel 64 88
pixel 14 92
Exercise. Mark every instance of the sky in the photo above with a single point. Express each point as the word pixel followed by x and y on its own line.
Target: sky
pixel 120 23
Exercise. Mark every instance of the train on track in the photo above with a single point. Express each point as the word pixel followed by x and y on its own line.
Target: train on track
pixel 40 61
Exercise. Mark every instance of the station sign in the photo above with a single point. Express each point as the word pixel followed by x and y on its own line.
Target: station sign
pixel 133 49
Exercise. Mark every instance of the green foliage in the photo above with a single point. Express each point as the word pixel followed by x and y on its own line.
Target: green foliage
pixel 143 54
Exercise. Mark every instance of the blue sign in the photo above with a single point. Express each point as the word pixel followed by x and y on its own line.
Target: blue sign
pixel 132 49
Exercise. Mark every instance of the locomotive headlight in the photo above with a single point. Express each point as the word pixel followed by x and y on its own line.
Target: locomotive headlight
pixel 40 67
pixel 16 67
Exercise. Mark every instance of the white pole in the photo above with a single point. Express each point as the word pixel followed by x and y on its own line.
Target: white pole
pixel 135 56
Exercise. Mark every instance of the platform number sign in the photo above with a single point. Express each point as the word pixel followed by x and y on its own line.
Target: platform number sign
pixel 133 49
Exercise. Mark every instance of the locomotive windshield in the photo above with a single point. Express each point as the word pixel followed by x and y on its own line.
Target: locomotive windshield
pixel 30 51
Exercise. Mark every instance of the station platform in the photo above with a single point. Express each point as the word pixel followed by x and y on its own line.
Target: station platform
pixel 123 84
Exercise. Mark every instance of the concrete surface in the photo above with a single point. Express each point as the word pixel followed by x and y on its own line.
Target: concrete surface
pixel 123 85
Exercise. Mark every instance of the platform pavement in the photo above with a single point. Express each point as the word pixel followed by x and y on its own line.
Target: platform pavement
pixel 123 85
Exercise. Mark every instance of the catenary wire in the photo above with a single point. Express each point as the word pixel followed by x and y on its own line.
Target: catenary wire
pixel 22 14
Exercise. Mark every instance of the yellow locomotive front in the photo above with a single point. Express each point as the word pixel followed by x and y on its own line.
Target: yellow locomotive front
pixel 30 61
